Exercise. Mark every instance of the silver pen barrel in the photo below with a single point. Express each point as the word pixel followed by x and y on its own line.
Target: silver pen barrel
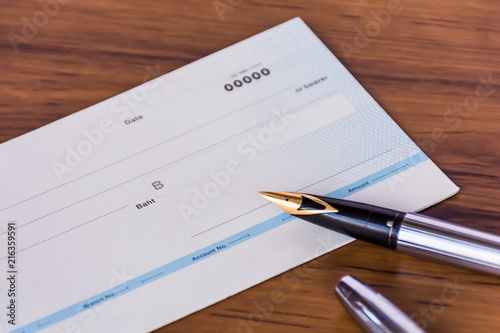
pixel 442 241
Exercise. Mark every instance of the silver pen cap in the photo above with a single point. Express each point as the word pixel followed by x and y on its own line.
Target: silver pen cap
pixel 372 311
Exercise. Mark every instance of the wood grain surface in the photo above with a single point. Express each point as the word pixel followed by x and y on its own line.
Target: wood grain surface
pixel 433 66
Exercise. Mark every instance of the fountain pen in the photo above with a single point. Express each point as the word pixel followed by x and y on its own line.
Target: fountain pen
pixel 410 233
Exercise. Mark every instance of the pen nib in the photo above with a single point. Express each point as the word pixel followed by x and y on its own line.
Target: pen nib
pixel 298 203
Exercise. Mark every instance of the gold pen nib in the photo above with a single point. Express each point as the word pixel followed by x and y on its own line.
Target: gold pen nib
pixel 298 203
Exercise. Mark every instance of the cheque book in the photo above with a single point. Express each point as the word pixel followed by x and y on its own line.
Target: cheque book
pixel 144 208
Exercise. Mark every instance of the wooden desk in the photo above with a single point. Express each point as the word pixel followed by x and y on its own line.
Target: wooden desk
pixel 425 65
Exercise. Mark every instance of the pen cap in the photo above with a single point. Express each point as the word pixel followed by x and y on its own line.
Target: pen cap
pixel 372 311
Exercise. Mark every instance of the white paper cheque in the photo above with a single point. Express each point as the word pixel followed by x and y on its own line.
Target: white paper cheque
pixel 144 208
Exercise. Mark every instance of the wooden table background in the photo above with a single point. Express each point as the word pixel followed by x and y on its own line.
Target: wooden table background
pixel 424 67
